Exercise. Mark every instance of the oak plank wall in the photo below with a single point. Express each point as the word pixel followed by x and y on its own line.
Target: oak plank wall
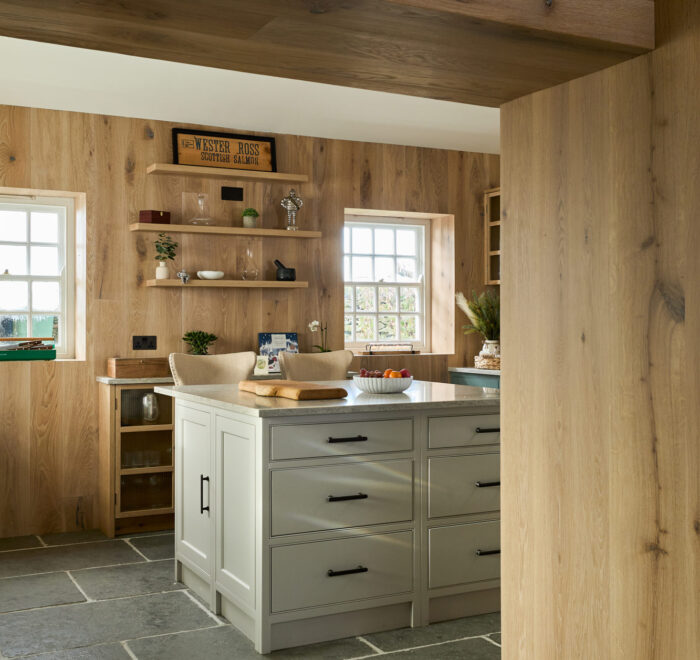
pixel 470 52
pixel 601 376
pixel 48 436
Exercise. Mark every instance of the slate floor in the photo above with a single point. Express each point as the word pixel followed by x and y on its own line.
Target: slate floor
pixel 81 595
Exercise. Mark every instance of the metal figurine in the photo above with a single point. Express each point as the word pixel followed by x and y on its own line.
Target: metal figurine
pixel 184 276
pixel 292 204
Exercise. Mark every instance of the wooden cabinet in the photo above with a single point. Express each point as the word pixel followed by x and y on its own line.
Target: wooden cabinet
pixel 135 457
pixel 492 236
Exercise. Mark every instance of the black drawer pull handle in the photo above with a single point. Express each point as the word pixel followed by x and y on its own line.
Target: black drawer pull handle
pixel 202 479
pixel 356 438
pixel 345 498
pixel 486 484
pixel 483 553
pixel 480 430
pixel 349 571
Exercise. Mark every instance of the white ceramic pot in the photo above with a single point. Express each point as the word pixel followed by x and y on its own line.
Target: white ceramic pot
pixel 491 348
pixel 250 222
pixel 162 272
pixel 382 385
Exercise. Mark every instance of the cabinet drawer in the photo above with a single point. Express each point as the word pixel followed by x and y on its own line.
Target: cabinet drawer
pixel 305 575
pixel 453 489
pixel 464 430
pixel 306 499
pixel 340 439
pixel 453 557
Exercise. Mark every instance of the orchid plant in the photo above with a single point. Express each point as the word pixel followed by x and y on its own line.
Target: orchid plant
pixel 318 326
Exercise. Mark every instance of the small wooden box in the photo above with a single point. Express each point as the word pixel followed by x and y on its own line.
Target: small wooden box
pixel 158 217
pixel 137 367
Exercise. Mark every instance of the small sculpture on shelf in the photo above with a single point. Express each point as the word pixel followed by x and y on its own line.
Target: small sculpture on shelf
pixel 292 204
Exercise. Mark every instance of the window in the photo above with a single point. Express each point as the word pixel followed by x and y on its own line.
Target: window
pixel 385 269
pixel 37 279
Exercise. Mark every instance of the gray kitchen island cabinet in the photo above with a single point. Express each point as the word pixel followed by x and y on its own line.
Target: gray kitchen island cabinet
pixel 304 521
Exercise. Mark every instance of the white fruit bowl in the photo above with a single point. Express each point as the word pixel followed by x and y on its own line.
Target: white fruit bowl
pixel 382 385
pixel 210 274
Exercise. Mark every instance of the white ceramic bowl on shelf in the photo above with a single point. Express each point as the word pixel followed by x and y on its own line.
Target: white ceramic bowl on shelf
pixel 210 274
pixel 382 385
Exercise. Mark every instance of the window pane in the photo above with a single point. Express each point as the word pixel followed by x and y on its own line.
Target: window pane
pixel 346 239
pixel 13 226
pixel 409 327
pixel 346 269
pixel 365 327
pixel 407 270
pixel 362 240
pixel 45 325
pixel 348 328
pixel 386 327
pixel 409 299
pixel 348 299
pixel 44 260
pixel 13 259
pixel 406 241
pixel 362 269
pixel 387 299
pixel 384 241
pixel 384 269
pixel 14 295
pixel 364 299
pixel 13 325
pixel 45 296
pixel 44 227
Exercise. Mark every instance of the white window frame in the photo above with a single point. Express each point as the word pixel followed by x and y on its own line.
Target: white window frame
pixel 423 284
pixel 65 208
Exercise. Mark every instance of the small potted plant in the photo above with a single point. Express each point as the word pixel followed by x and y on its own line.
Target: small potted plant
pixel 199 341
pixel 165 249
pixel 250 218
pixel 484 314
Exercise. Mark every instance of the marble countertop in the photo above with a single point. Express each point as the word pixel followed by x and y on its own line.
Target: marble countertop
pixel 472 370
pixel 421 395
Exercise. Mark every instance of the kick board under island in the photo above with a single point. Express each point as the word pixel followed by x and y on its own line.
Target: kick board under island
pixel 304 521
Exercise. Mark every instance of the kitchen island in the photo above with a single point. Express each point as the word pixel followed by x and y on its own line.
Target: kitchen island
pixel 303 521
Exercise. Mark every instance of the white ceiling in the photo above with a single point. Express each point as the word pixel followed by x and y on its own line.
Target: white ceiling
pixel 64 78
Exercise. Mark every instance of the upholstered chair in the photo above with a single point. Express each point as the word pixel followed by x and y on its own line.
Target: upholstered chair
pixel 211 369
pixel 316 366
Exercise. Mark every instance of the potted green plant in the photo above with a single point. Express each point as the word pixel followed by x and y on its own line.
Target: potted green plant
pixel 484 314
pixel 199 341
pixel 165 250
pixel 250 218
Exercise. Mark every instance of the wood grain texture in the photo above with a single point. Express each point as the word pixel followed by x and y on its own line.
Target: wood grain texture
pixel 49 437
pixel 601 369
pixel 426 50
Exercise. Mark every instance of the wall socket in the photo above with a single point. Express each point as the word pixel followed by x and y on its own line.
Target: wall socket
pixel 144 342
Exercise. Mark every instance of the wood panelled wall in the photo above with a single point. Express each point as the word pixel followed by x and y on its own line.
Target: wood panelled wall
pixel 48 436
pixel 601 377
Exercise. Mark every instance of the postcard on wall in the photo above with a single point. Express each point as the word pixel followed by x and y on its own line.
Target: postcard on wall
pixel 273 343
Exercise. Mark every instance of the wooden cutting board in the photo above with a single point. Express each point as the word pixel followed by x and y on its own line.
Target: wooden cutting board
pixel 292 389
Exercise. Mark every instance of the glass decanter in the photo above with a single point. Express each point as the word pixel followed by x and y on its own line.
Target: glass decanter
pixel 250 268
pixel 202 217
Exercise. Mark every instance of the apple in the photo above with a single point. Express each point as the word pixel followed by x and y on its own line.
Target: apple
pixel 405 373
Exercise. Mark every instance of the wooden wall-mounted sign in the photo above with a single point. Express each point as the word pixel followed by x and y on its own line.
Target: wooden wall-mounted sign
pixel 235 152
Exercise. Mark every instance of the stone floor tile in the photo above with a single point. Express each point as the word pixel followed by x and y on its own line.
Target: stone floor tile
pixel 128 579
pixel 19 543
pixel 75 626
pixel 66 558
pixel 468 649
pixel 80 536
pixel 156 547
pixel 100 652
pixel 437 632
pixel 23 593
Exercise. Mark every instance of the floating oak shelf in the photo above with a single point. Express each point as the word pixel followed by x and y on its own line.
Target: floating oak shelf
pixel 239 284
pixel 222 173
pixel 230 231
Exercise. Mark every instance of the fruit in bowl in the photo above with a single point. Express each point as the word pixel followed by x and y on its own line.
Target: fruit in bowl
pixel 390 381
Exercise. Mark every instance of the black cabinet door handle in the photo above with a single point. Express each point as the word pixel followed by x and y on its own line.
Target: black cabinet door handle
pixel 202 479
pixel 494 430
pixel 487 484
pixel 345 498
pixel 355 438
pixel 349 571
pixel 483 553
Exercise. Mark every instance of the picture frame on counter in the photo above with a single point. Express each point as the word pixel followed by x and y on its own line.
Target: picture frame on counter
pixel 224 150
